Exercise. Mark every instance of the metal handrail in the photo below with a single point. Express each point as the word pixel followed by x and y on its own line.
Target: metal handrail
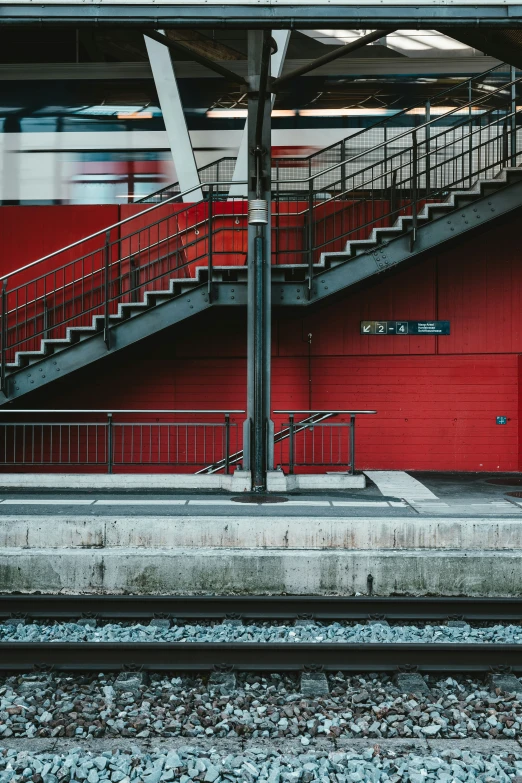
pixel 402 135
pixel 377 124
pixel 115 225
pixel 293 428
pixel 321 411
pixel 244 182
pixel 422 156
pixel 128 257
pixel 113 410
pixel 144 199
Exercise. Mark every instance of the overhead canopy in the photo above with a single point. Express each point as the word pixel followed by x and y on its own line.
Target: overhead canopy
pixel 504 44
pixel 274 14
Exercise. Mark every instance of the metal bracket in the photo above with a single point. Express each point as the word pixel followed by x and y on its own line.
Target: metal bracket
pixel 501 669
pixel 43 668
pixel 313 668
pixel 407 668
pixel 223 668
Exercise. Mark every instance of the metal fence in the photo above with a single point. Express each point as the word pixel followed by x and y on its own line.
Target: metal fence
pixel 118 439
pixel 317 441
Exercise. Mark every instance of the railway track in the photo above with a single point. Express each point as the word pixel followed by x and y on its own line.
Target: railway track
pixel 253 656
pixel 277 608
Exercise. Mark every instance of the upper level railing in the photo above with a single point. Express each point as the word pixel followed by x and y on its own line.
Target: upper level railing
pixel 288 170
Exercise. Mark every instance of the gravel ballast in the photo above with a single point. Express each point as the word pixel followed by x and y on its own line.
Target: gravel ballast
pixel 266 707
pixel 262 633
pixel 187 764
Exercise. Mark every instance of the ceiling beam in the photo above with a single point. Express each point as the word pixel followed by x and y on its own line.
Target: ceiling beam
pixel 204 45
pixel 353 46
pixel 230 75
pixel 506 45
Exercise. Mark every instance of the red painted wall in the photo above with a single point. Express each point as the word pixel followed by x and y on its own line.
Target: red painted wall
pixel 437 397
pixel 29 233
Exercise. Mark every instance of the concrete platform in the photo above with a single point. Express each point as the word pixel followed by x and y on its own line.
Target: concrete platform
pixel 421 535
pixel 260 571
pixel 307 553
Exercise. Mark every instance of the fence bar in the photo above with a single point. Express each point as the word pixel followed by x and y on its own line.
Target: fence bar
pixel 291 452
pixel 310 227
pixel 109 443
pixel 210 233
pixel 414 191
pixel 227 445
pixel 4 333
pixel 106 336
pixel 352 445
pixel 427 167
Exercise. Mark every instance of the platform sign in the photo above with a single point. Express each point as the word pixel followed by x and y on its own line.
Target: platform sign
pixel 405 327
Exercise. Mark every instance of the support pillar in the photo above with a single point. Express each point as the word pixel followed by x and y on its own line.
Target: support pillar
pixel 259 431
pixel 277 61
pixel 174 118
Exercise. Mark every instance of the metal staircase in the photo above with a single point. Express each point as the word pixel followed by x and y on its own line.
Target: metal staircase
pixel 360 216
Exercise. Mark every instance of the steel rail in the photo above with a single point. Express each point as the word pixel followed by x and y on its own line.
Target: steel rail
pixel 248 656
pixel 277 608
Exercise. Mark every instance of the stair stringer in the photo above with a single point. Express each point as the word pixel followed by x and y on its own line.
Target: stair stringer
pixel 385 255
pixel 123 334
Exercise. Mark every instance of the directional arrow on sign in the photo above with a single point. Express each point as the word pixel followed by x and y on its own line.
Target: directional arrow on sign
pixel 366 328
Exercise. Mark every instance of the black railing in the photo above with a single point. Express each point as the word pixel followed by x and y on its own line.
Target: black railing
pixel 387 131
pixel 379 188
pixel 118 439
pixel 118 265
pixel 219 171
pixel 317 441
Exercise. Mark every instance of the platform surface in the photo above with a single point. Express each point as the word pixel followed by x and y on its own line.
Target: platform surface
pixel 416 534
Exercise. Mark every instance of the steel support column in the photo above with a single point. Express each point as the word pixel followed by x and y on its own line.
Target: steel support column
pixel 281 37
pixel 258 440
pixel 174 117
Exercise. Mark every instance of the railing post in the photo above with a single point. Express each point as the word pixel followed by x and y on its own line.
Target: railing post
pixel 310 240
pixel 393 194
pixel 4 333
pixel 291 446
pixel 513 129
pixel 470 140
pixel 505 144
pixel 343 168
pixel 45 319
pixel 106 335
pixel 109 443
pixel 210 230
pixel 414 189
pixel 134 279
pixel 352 445
pixel 227 443
pixel 428 153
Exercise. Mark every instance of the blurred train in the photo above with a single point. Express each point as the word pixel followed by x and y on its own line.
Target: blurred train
pixel 118 167
pixel 120 154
